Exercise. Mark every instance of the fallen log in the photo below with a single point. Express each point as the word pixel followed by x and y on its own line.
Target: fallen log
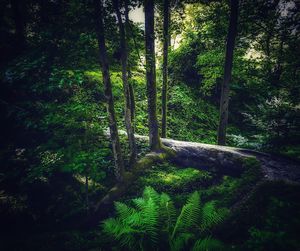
pixel 221 159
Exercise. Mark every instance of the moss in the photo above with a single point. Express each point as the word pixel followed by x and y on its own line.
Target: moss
pixel 168 178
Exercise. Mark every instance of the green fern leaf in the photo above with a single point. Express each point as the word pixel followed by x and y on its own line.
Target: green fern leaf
pixel 149 192
pixel 208 244
pixel 211 216
pixel 181 241
pixel 189 216
pixel 123 211
pixel 149 216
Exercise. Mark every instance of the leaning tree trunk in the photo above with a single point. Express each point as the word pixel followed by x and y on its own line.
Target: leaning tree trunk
pixel 165 69
pixel 114 136
pixel 232 31
pixel 131 90
pixel 124 62
pixel 155 143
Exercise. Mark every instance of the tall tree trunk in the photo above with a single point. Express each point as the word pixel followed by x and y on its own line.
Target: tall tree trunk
pixel 124 62
pixel 165 69
pixel 155 143
pixel 131 90
pixel 232 31
pixel 114 136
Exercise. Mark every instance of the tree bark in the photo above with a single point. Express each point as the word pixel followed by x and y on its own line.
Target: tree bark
pixel 154 139
pixel 232 32
pixel 131 90
pixel 114 136
pixel 165 69
pixel 124 62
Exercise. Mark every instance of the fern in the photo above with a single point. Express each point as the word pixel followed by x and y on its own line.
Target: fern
pixel 180 241
pixel 150 219
pixel 207 244
pixel 123 211
pixel 149 192
pixel 189 216
pixel 211 216
pixel 167 213
pixel 154 215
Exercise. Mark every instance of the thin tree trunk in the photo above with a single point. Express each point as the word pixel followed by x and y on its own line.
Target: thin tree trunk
pixel 155 143
pixel 119 163
pixel 124 62
pixel 165 69
pixel 131 90
pixel 232 32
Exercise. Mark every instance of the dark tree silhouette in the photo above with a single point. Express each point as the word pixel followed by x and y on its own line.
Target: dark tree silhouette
pixel 114 136
pixel 155 143
pixel 232 31
pixel 124 62
pixel 165 69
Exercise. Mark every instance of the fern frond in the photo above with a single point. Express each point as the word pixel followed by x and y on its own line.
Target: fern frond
pixel 189 216
pixel 211 216
pixel 181 241
pixel 208 244
pixel 135 220
pixel 167 213
pixel 111 227
pixel 123 211
pixel 149 192
pixel 149 216
pixel 139 203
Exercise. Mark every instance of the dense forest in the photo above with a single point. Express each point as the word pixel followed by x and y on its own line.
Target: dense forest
pixel 150 125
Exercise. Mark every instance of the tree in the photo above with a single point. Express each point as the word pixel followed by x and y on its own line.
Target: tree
pixel 155 142
pixel 131 90
pixel 128 103
pixel 165 69
pixel 114 136
pixel 232 31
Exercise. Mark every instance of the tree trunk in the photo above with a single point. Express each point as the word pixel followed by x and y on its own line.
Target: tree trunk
pixel 154 139
pixel 232 31
pixel 124 62
pixel 114 136
pixel 165 69
pixel 131 90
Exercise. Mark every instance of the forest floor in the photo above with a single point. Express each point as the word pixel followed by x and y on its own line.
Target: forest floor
pixel 261 193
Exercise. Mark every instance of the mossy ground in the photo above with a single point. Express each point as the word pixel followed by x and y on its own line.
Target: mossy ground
pixel 169 178
pixel 269 220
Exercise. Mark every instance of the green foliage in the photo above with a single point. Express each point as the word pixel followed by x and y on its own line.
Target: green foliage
pixel 270 219
pixel 197 115
pixel 207 244
pixel 276 118
pixel 169 178
pixel 152 224
pixel 229 190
